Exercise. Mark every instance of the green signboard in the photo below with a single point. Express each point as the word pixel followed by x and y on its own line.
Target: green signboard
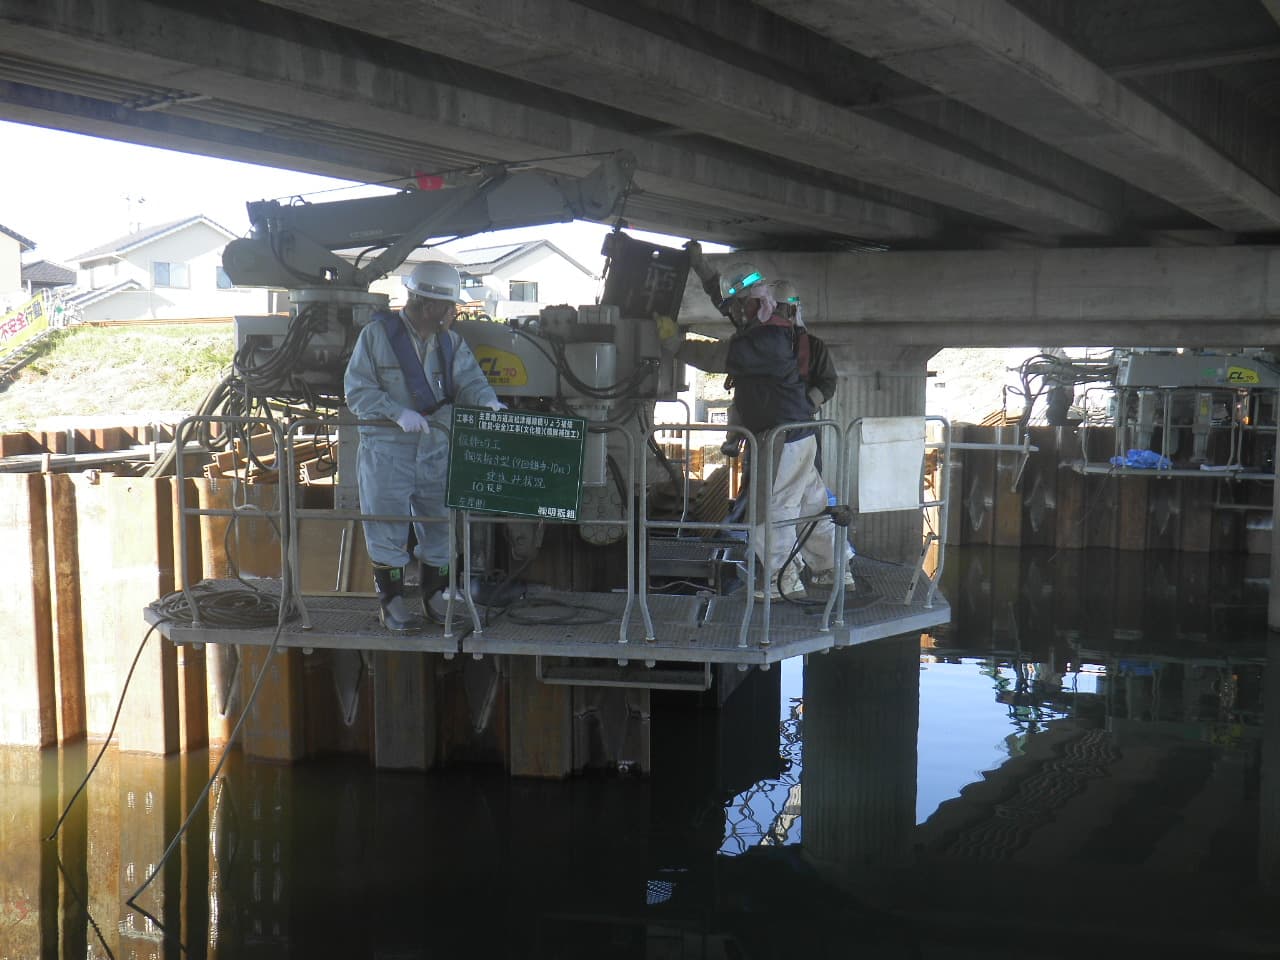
pixel 514 462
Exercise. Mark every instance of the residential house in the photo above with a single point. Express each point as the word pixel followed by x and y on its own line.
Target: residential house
pixel 171 271
pixel 12 246
pixel 46 275
pixel 509 280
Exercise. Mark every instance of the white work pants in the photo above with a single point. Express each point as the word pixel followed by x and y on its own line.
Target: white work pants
pixel 798 491
pixel 400 478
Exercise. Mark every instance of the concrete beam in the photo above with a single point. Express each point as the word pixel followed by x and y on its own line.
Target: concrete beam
pixel 563 46
pixel 990 55
pixel 1221 296
pixel 315 100
pixel 765 43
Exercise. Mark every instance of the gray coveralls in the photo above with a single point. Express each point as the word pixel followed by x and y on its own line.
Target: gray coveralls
pixel 405 473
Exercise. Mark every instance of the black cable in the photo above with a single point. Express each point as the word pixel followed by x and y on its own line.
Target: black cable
pixel 468 168
pixel 615 472
pixel 360 255
pixel 652 443
pixel 83 901
pixel 273 244
pixel 1056 371
pixel 594 614
pixel 110 732
pixel 801 540
pixel 512 574
pixel 245 711
pixel 213 400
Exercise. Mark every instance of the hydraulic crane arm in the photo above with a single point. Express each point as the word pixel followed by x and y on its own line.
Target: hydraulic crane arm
pixel 296 246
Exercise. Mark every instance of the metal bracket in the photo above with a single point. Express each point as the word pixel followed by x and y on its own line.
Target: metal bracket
pixel 605 674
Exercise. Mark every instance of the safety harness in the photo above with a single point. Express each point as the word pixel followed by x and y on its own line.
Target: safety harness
pixel 415 375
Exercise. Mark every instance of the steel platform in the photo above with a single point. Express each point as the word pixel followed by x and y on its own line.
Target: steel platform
pixel 561 624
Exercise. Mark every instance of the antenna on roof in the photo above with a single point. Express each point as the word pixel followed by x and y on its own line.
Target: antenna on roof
pixel 133 225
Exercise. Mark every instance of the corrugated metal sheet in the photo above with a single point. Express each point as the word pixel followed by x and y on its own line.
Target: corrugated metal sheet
pixel 880 384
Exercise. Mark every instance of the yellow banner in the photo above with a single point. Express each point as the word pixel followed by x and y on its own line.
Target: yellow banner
pixel 20 325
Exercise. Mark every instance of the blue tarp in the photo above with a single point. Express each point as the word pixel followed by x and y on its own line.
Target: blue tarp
pixel 1142 459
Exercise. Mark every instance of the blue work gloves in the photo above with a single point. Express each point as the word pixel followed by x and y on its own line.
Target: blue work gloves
pixel 496 405
pixel 411 421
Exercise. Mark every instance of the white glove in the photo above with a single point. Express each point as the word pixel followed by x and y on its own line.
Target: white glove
pixel 496 405
pixel 411 421
pixel 815 397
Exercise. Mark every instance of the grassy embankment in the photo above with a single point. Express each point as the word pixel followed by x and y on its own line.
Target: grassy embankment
pixel 122 374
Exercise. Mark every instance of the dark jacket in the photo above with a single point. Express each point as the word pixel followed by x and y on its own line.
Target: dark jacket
pixel 767 386
pixel 821 373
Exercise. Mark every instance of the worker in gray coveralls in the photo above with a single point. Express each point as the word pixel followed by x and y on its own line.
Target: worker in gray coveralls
pixel 410 368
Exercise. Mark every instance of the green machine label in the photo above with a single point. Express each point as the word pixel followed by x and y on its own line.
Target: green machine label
pixel 518 463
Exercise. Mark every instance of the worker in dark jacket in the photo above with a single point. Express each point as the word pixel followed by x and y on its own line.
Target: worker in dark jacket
pixel 817 369
pixel 816 366
pixel 768 391
pixel 820 377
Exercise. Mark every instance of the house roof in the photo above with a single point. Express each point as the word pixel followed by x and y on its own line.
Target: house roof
pixel 426 255
pixel 23 242
pixel 46 271
pixel 490 259
pixel 86 297
pixel 145 235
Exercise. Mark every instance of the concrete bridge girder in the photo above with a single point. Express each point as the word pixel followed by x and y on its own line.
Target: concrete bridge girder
pixel 800 124
pixel 1133 296
pixel 995 58
pixel 565 46
pixel 371 117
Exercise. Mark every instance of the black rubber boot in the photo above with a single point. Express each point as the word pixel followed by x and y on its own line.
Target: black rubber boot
pixel 394 612
pixel 434 579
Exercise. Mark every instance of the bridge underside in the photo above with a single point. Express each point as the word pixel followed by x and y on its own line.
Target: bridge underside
pixel 786 124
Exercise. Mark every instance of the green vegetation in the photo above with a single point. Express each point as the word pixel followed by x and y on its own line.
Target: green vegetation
pixel 159 371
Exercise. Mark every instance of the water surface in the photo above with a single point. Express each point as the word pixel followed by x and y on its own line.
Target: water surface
pixel 1080 761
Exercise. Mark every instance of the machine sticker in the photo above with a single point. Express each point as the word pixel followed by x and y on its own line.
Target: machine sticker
pixel 503 369
pixel 1242 375
pixel 516 462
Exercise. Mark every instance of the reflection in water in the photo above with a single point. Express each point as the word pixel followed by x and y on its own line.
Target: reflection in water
pixel 1085 744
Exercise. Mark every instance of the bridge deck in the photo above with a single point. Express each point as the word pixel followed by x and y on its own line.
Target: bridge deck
pixel 550 623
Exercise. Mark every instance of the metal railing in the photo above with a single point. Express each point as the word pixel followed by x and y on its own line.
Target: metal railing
pixel 940 501
pixel 760 531
pixel 754 527
pixel 277 517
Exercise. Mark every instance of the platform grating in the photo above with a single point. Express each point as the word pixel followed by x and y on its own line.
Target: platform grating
pixel 552 623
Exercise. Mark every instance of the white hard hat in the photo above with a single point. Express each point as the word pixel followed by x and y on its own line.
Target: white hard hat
pixel 784 291
pixel 435 280
pixel 737 278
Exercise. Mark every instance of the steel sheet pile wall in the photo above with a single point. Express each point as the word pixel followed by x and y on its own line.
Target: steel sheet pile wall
pixel 89 551
pixel 1000 501
pixel 27 713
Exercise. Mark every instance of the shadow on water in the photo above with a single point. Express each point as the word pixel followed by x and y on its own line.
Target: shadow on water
pixel 1080 759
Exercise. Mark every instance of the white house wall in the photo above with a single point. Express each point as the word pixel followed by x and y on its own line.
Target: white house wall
pixel 558 280
pixel 199 246
pixel 131 305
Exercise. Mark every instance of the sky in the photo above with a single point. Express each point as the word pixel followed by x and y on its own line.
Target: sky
pixel 69 193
